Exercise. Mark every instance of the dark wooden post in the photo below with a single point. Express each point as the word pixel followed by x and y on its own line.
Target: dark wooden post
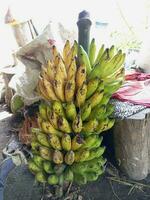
pixel 84 25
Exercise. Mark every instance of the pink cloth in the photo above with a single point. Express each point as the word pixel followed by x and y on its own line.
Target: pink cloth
pixel 136 89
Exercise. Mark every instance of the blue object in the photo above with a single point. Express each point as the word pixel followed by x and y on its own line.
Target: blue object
pixel 6 166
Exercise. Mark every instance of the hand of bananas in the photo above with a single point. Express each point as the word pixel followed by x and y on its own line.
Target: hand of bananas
pixel 76 91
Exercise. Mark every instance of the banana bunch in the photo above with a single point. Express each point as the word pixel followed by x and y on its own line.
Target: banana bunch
pixel 75 110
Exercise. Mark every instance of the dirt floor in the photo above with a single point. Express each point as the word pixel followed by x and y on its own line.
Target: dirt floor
pixel 20 184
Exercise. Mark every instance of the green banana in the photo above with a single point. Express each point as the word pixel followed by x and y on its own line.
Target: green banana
pixel 41 177
pixel 100 53
pixel 53 180
pixel 105 99
pixel 77 124
pixel 85 111
pixel 43 111
pixel 98 112
pixel 96 98
pixel 58 108
pixel 80 179
pixel 47 166
pixel 105 125
pixel 84 59
pixel 109 110
pixel 112 88
pixel 55 142
pixel 38 160
pixel 111 52
pixel 92 52
pixel 33 167
pixel 59 169
pixel 68 175
pixel 95 153
pixel 92 86
pixel 91 141
pixel 90 126
pixel 82 155
pixel 42 139
pixel 71 112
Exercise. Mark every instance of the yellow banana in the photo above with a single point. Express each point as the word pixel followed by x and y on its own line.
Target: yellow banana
pixel 77 142
pixel 80 76
pixel 92 86
pixel 49 89
pixel 70 111
pixel 82 155
pixel 70 90
pixel 49 129
pixel 69 157
pixel 58 108
pixel 50 70
pixel 61 69
pixel 54 51
pixel 42 90
pixel 85 111
pixel 66 49
pixel 66 142
pixel 81 95
pixel 105 125
pixel 46 153
pixel 72 69
pixel 72 53
pixel 53 117
pixel 57 157
pixel 77 124
pixel 58 86
pixel 64 125
pixel 55 142
pixel 90 126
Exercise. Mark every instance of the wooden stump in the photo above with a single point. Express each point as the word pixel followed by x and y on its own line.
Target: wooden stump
pixel 132 145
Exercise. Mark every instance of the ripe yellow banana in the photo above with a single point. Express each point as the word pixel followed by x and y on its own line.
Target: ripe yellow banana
pixel 72 69
pixel 66 49
pixel 55 142
pixel 77 142
pixel 69 157
pixel 70 90
pixel 85 111
pixel 54 51
pixel 81 95
pixel 77 124
pixel 58 86
pixel 53 117
pixel 92 86
pixel 57 157
pixel 80 76
pixel 72 53
pixel 63 125
pixel 61 69
pixel 49 129
pixel 49 89
pixel 66 142
pixel 50 70
pixel 42 90
pixel 71 112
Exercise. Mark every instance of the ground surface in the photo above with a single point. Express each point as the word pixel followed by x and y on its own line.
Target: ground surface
pixel 20 184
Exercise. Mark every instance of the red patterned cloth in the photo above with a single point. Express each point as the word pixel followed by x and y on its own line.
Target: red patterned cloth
pixel 136 89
